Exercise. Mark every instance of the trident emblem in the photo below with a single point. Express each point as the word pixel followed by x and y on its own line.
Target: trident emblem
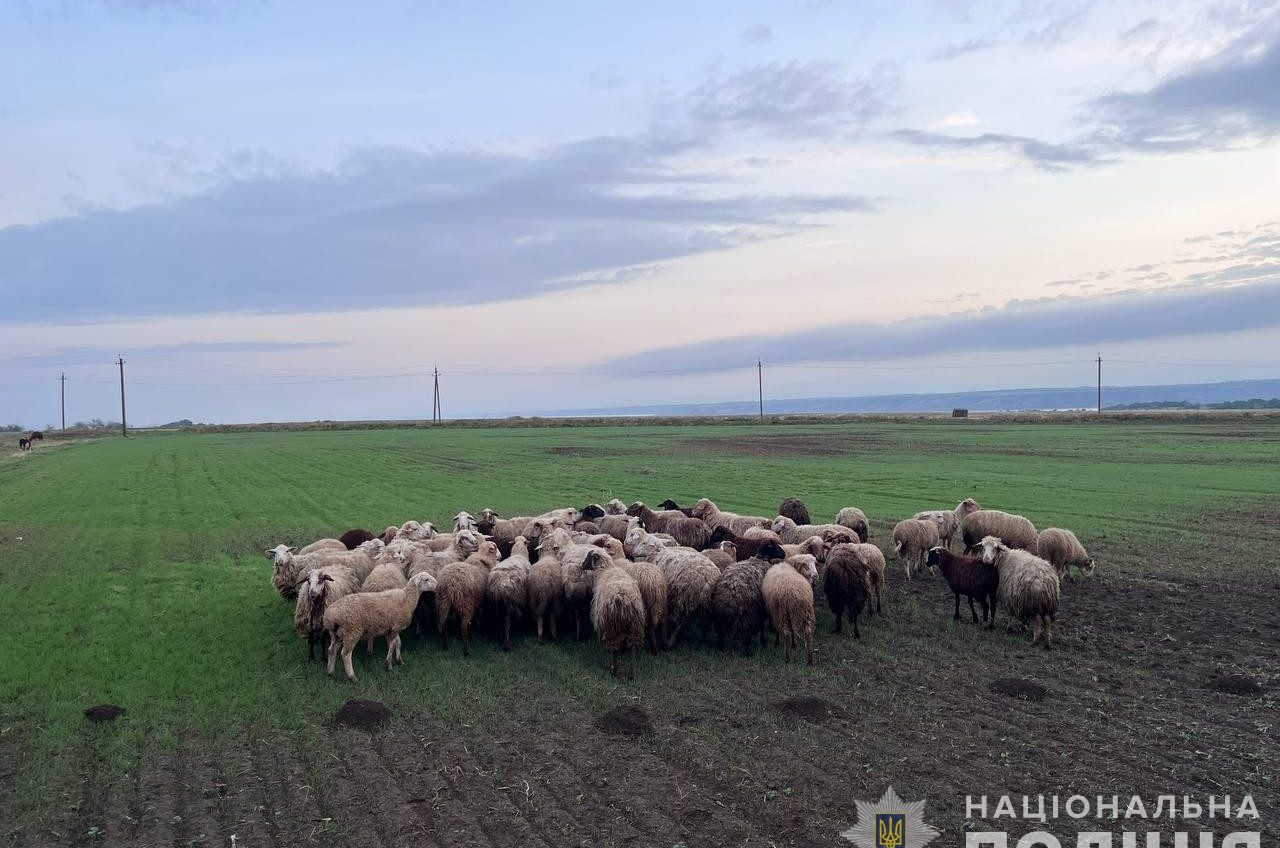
pixel 889 830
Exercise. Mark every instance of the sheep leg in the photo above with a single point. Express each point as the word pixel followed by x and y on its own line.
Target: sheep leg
pixel 551 621
pixel 808 649
pixel 347 650
pixel 635 658
pixel 506 631
pixel 853 616
pixel 674 634
pixel 972 611
pixel 333 655
pixel 391 651
pixel 786 645
pixel 399 650
pixel 839 627
pixel 956 617
pixel 444 634
pixel 878 598
pixel 464 624
pixel 368 647
pixel 613 663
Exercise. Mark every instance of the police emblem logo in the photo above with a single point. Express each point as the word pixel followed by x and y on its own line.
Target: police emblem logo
pixel 891 823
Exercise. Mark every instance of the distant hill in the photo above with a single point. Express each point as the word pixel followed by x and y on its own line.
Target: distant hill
pixel 177 425
pixel 996 400
pixel 1251 403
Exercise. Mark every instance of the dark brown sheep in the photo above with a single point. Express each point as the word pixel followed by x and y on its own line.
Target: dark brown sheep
pixel 746 547
pixel 795 509
pixel 352 539
pixel 737 604
pixel 689 532
pixel 968 576
pixel 672 505
pixel 846 582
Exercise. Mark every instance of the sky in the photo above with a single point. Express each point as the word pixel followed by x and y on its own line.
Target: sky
pixel 296 210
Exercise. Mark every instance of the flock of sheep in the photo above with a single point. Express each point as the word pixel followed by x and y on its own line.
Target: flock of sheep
pixel 638 575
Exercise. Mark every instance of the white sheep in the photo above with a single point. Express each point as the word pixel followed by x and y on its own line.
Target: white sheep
pixel 1029 588
pixel 368 615
pixel 508 586
pixel 788 597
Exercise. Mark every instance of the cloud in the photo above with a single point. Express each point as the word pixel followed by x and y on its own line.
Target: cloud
pixel 955 51
pixel 1230 100
pixel 392 227
pixel 70 356
pixel 956 119
pixel 757 34
pixel 1042 154
pixel 789 99
pixel 1018 326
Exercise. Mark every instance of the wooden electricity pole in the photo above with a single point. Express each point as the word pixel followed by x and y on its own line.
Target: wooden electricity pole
pixel 124 427
pixel 63 380
pixel 1099 383
pixel 760 385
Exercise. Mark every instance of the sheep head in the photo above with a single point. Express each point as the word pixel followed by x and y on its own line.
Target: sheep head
pixel 464 521
pixel 423 581
pixel 596 558
pixel 591 512
pixel 316 581
pixel 992 549
pixel 781 524
pixel 374 548
pixel 704 508
pixel 934 559
pixel 967 506
pixel 668 504
pixel 520 548
pixel 281 555
pixel 467 541
pixel 772 551
pixel 489 515
pixel 615 507
pixel 636 508
pixel 730 548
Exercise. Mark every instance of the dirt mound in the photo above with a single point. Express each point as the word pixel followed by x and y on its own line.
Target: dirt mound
pixel 361 714
pixel 807 707
pixel 625 721
pixel 1236 684
pixel 104 712
pixel 1016 687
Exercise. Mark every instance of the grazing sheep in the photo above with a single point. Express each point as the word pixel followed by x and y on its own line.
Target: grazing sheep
pixel 846 581
pixel 1061 549
pixel 855 520
pixel 353 538
pixel 691 578
pixel 1029 588
pixel 367 616
pixel 323 545
pixel 877 571
pixel 289 566
pixel 688 532
pixel 912 539
pixel 545 591
pixel 672 505
pixel 617 611
pixel 464 521
pixel 793 534
pixel 767 546
pixel 708 512
pixel 788 597
pixel 1014 530
pixel 725 555
pixel 795 509
pixel 737 604
pixel 968 576
pixel 616 507
pixel 508 586
pixel 460 590
pixel 322 586
pixel 945 520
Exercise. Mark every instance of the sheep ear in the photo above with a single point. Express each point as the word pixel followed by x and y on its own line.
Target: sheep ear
pixel 293 550
pixel 326 577
pixel 303 580
pixel 271 553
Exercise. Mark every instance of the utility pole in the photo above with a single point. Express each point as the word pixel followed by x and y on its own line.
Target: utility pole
pixel 63 380
pixel 436 413
pixel 124 427
pixel 760 385
pixel 1099 383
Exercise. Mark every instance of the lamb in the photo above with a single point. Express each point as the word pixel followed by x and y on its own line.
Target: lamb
pixel 1029 588
pixel 708 512
pixel 689 532
pixel 846 581
pixel 352 538
pixel 370 615
pixel 617 611
pixel 460 590
pixel 788 597
pixel 545 591
pixel 856 520
pixel 877 572
pixel 323 545
pixel 672 505
pixel 323 586
pixel 1014 530
pixel 945 520
pixel 795 509
pixel 737 604
pixel 912 539
pixel 289 566
pixel 1061 549
pixel 968 576
pixel 767 546
pixel 508 586
pixel 691 578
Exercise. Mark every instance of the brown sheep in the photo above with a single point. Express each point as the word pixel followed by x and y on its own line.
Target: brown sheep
pixel 688 532
pixel 795 509
pixel 617 611
pixel 788 596
pixel 846 582
pixel 912 539
pixel 460 591
pixel 1061 549
pixel 1014 530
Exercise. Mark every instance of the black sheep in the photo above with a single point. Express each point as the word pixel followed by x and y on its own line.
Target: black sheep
pixel 795 509
pixel 968 576
pixel 354 538
pixel 846 581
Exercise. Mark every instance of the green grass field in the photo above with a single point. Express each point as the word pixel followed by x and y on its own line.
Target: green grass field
pixel 131 571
